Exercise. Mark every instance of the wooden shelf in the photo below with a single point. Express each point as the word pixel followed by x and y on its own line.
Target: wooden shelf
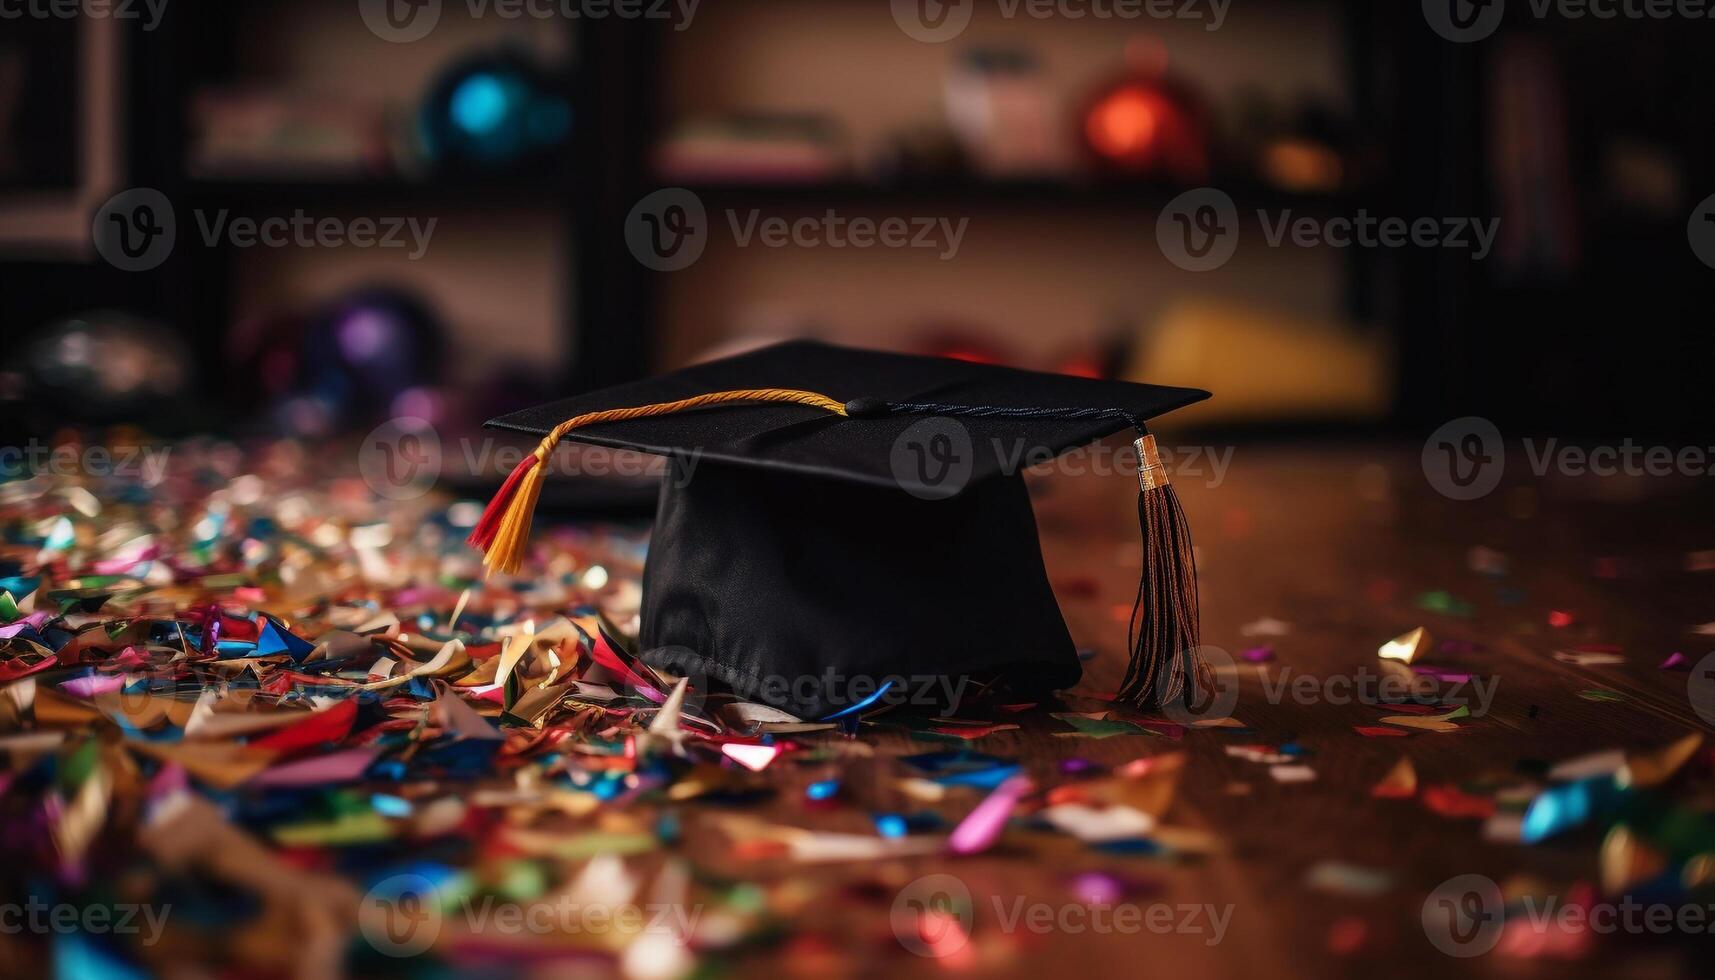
pixel 978 192
pixel 268 194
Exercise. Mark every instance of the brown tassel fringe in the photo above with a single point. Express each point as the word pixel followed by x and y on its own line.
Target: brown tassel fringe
pixel 1164 633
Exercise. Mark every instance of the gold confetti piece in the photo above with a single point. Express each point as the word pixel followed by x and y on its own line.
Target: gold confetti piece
pixel 664 728
pixel 1588 658
pixel 1341 878
pixel 1148 784
pixel 223 765
pixel 1266 626
pixel 55 710
pixel 1407 647
pixel 1625 861
pixel 796 727
pixel 1648 769
pixel 1092 824
pixel 79 819
pixel 1698 872
pixel 458 610
pixel 1185 840
pixel 923 790
pixel 533 705
pixel 1430 723
pixel 1399 783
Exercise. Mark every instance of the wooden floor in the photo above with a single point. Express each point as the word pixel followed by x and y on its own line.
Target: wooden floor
pixel 1339 544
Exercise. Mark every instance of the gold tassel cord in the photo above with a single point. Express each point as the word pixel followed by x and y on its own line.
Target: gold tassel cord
pixel 504 529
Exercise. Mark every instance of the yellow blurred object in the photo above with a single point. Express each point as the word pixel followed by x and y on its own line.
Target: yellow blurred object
pixel 1264 365
pixel 1625 861
pixel 1406 647
pixel 1302 165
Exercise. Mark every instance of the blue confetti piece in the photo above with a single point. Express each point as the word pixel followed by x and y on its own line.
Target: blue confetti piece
pixel 861 705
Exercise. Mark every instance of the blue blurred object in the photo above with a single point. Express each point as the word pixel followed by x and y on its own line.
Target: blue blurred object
pixel 494 111
pixel 1560 808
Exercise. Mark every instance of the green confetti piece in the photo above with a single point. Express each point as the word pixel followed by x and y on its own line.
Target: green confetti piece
pixel 1098 727
pixel 585 846
pixel 1446 603
pixel 366 827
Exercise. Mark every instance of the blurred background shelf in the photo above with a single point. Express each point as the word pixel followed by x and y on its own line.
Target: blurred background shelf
pixel 1059 140
pixel 981 192
pixel 534 192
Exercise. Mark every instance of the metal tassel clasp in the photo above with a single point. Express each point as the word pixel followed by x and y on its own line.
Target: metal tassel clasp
pixel 1150 472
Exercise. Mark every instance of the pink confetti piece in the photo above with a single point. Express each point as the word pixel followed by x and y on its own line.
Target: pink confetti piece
pixel 1676 661
pixel 1259 655
pixel 1442 673
pixel 983 825
pixel 94 684
pixel 335 767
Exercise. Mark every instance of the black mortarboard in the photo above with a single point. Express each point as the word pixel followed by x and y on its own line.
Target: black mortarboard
pixel 833 519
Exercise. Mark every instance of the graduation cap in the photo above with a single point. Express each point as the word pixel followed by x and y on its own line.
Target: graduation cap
pixel 831 514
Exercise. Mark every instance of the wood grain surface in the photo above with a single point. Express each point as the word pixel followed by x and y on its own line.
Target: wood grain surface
pixel 1339 543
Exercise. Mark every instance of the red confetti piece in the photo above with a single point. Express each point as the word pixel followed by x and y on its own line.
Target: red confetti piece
pixel 1451 801
pixel 1379 731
